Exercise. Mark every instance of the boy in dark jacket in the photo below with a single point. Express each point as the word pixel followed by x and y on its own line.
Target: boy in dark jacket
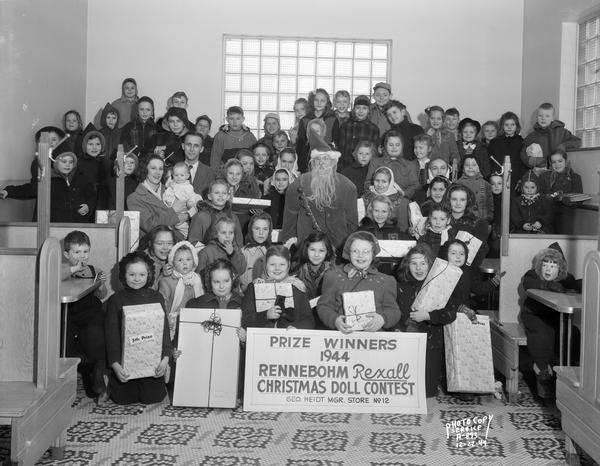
pixel 548 272
pixel 548 134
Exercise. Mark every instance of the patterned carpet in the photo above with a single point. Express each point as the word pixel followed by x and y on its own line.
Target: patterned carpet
pixel 157 435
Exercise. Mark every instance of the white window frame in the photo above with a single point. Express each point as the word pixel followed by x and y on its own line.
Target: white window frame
pixel 254 118
pixel 587 80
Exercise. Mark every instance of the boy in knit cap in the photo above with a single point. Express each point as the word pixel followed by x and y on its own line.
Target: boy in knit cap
pixel 231 137
pixel 530 212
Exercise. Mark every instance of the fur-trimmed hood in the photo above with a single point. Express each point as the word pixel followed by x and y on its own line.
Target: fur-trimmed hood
pixel 554 253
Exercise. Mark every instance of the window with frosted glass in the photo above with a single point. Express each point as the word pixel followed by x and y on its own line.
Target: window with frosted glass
pixel 587 121
pixel 265 74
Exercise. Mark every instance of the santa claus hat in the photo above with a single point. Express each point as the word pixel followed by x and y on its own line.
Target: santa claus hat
pixel 317 142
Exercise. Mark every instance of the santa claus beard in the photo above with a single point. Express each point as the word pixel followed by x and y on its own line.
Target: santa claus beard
pixel 322 184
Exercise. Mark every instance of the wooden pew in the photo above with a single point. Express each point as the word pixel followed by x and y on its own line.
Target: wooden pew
pixel 109 242
pixel 518 251
pixel 37 388
pixel 578 388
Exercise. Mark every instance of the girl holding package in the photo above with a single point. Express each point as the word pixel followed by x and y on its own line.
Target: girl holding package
pixel 136 274
pixel 359 274
pixel 411 277
pixel 285 313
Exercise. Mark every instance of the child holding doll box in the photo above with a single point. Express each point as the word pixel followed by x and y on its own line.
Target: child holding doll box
pixel 360 274
pixel 136 274
pixel 291 311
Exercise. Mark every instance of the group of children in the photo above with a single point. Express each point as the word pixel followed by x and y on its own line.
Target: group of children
pixel 420 184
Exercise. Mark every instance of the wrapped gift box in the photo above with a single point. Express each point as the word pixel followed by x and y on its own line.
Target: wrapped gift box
pixel 207 370
pixel 143 327
pixel 437 287
pixel 357 304
pixel 469 363
pixel 473 244
pixel 110 217
pixel 394 248
pixel 266 294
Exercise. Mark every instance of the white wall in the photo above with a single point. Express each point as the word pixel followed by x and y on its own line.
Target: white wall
pixel 42 73
pixel 177 45
pixel 542 51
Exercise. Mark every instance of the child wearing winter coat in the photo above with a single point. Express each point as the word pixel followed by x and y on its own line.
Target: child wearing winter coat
pixel 411 277
pixel 473 179
pixel 258 239
pixel 294 314
pixel 547 135
pixel 531 212
pixel 548 272
pixel 216 205
pixel 222 245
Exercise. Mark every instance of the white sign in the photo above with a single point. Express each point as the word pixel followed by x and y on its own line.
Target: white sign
pixel 327 371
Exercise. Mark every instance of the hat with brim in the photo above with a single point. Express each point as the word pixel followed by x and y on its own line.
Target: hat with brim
pixel 469 121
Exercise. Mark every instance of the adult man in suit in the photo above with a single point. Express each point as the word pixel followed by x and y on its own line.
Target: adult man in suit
pixel 200 174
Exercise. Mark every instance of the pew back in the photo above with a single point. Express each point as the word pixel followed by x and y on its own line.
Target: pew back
pixel 522 248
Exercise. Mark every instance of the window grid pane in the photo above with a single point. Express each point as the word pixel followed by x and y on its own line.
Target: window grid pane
pixel 587 113
pixel 265 74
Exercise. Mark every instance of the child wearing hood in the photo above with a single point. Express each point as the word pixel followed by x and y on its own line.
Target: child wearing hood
pixel 183 284
pixel 95 165
pixel 217 205
pixel 73 126
pixel 279 185
pixel 548 272
pixel 130 166
pixel 383 184
pixel 473 179
pixel 531 212
pixel 405 172
pixel 109 127
pixel 73 199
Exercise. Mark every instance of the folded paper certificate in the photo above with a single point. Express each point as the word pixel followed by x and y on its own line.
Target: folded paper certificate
pixel 357 304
